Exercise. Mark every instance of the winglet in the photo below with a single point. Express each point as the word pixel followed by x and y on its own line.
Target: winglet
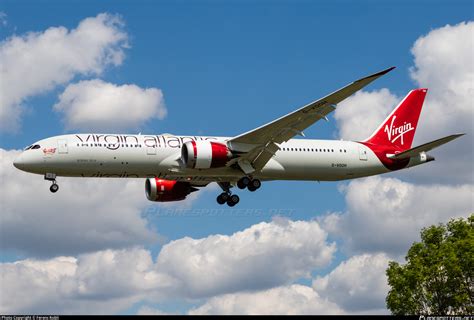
pixel 376 75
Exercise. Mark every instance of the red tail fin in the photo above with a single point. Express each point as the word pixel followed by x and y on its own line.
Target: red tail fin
pixel 398 130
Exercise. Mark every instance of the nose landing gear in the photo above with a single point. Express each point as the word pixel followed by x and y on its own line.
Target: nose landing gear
pixel 52 177
pixel 54 187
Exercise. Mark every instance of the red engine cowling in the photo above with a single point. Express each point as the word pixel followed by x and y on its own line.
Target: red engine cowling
pixel 205 154
pixel 167 190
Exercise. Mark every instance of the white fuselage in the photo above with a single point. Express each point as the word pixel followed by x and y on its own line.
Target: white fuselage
pixel 137 156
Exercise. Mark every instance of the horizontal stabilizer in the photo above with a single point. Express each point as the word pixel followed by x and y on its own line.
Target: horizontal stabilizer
pixel 424 147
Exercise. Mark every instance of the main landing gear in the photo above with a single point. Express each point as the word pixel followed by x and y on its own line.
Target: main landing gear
pixel 251 184
pixel 52 177
pixel 233 199
pixel 227 196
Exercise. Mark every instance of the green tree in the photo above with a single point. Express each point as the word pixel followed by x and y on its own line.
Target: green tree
pixel 438 276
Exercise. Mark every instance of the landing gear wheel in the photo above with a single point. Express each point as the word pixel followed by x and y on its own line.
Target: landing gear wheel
pixel 255 183
pixel 243 182
pixel 233 200
pixel 251 188
pixel 54 188
pixel 52 177
pixel 222 198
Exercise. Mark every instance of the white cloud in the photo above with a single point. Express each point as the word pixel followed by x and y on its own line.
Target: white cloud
pixel 293 299
pixel 260 257
pixel 37 62
pixel 28 283
pixel 444 63
pixel 111 281
pixel 85 215
pixel 98 105
pixel 387 214
pixel 114 274
pixel 102 282
pixel 359 115
pixel 358 284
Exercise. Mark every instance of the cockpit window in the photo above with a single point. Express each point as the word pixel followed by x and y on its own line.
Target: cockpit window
pixel 36 146
pixel 27 148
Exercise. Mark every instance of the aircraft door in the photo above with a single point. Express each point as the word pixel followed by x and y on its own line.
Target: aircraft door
pixel 362 153
pixel 62 146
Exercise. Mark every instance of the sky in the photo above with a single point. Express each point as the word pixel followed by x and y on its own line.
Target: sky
pixel 220 69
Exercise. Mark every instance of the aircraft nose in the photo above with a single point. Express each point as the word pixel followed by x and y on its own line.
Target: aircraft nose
pixel 18 162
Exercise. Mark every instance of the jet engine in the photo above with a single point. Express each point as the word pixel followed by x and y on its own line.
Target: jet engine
pixel 204 154
pixel 162 190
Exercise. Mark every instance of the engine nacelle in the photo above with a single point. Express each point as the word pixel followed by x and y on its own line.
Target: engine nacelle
pixel 204 154
pixel 162 190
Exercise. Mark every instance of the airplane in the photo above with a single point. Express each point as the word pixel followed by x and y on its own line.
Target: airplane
pixel 175 166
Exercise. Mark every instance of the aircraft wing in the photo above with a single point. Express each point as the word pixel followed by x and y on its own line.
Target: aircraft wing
pixel 425 147
pixel 259 145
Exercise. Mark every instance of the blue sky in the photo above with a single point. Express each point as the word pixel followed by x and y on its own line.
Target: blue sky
pixel 227 67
